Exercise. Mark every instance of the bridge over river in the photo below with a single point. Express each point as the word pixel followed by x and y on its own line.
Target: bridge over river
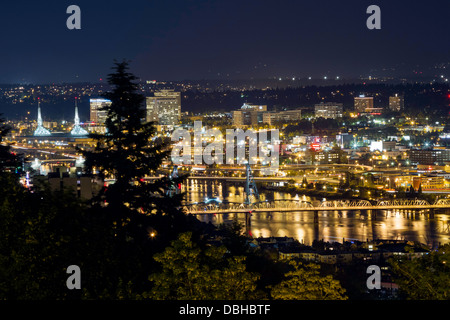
pixel 213 206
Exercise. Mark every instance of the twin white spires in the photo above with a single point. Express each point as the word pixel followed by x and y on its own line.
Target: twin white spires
pixel 77 130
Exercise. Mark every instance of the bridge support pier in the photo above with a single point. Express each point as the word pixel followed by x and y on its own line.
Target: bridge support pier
pixel 316 217
pixel 373 213
pixel 248 223
pixel 431 214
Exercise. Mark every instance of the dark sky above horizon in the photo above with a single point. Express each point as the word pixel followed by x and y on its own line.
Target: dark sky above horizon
pixel 208 39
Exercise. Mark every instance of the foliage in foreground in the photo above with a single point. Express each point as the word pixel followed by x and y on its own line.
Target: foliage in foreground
pixel 425 278
pixel 306 283
pixel 192 273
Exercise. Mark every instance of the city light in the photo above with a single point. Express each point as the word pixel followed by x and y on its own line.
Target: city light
pixel 234 175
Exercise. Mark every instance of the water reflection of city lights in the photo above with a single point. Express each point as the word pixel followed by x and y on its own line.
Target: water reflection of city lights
pixel 264 232
pixel 300 233
pixel 386 224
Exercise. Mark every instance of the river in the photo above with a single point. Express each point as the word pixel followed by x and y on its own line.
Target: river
pixel 332 225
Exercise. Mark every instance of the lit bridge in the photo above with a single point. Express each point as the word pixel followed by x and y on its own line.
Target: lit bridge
pixel 216 207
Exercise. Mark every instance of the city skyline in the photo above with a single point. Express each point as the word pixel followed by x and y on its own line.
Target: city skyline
pixel 225 150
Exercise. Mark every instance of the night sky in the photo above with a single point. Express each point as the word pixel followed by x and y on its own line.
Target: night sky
pixel 210 39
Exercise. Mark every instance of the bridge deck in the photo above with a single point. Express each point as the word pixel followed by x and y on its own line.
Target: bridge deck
pixel 292 209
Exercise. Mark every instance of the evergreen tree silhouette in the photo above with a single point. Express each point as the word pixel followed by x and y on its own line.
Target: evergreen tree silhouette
pixel 128 152
pixel 8 160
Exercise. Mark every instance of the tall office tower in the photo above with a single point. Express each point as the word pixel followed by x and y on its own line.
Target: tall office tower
pixel 362 103
pixel 396 103
pixel 329 110
pixel 77 130
pixel 96 114
pixel 40 130
pixel 249 115
pixel 238 118
pixel 164 108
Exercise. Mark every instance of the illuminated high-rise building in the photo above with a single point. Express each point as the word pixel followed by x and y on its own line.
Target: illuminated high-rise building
pixel 249 115
pixel 97 115
pixel 329 110
pixel 164 108
pixel 396 103
pixel 363 103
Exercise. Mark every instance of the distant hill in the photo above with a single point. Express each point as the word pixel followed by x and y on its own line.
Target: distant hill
pixel 200 97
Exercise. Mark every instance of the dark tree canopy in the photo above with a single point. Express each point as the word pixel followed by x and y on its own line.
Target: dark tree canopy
pixel 8 160
pixel 128 151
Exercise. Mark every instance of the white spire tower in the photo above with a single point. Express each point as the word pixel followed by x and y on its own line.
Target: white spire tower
pixel 40 130
pixel 77 130
pixel 77 118
pixel 39 119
